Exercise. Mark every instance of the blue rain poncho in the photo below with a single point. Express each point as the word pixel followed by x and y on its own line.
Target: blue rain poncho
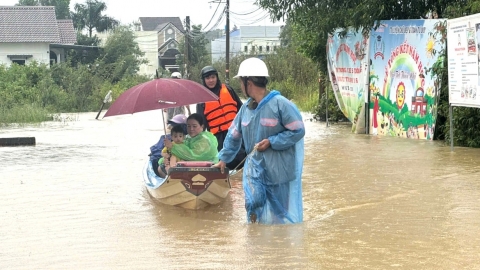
pixel 202 147
pixel 272 179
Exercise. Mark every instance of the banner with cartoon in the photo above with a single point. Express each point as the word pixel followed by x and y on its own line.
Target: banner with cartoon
pixel 403 96
pixel 463 38
pixel 348 72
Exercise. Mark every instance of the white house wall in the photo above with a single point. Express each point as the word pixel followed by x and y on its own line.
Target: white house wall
pixel 219 48
pixel 257 42
pixel 237 46
pixel 148 43
pixel 39 51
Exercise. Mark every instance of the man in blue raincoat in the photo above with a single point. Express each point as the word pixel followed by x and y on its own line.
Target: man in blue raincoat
pixel 272 130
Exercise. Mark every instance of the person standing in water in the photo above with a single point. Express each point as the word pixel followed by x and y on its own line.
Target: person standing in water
pixel 272 129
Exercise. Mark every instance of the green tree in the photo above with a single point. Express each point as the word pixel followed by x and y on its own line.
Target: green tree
pixel 198 54
pixel 198 45
pixel 90 16
pixel 85 56
pixel 120 56
pixel 27 3
pixel 62 7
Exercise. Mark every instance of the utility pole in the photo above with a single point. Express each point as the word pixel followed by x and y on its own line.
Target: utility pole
pixel 227 39
pixel 187 48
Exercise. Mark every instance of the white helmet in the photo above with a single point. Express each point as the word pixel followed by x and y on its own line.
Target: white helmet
pixel 252 67
pixel 176 75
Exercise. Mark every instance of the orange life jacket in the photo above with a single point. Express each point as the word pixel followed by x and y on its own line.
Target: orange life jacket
pixel 220 113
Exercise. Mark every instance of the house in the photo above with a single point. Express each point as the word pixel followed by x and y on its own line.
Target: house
pixel 169 32
pixel 258 40
pixel 32 33
pixel 158 38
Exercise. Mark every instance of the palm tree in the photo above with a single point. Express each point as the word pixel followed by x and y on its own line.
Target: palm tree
pixel 89 16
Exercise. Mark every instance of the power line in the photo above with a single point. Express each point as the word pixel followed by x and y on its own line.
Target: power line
pixel 248 13
pixel 212 16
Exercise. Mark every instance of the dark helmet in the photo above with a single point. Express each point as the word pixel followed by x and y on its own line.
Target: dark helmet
pixel 207 71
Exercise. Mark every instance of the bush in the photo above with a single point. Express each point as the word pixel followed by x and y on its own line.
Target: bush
pixel 28 113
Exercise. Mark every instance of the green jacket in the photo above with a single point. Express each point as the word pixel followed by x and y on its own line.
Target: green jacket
pixel 202 147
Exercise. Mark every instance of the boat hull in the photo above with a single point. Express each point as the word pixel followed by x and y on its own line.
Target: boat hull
pixel 192 186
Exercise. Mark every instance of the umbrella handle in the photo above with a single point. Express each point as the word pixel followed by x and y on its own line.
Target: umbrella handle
pixel 164 126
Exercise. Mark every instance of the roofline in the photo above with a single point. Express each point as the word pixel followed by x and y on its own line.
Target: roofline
pixel 170 40
pixel 183 32
pixel 71 46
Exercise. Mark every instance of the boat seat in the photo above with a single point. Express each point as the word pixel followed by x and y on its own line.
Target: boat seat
pixel 194 164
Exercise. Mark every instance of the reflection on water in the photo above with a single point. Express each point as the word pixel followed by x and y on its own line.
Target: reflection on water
pixel 76 201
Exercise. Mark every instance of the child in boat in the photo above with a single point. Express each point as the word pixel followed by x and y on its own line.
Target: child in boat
pixel 178 135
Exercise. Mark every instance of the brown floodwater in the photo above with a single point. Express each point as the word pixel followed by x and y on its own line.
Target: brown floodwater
pixel 77 200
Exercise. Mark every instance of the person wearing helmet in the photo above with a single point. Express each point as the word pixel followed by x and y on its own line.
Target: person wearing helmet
pixel 220 114
pixel 272 130
pixel 177 110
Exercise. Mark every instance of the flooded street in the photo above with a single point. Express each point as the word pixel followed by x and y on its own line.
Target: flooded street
pixel 77 200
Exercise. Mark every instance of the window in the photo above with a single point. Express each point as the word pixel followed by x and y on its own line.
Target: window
pixel 18 62
pixel 245 49
pixel 274 48
pixel 169 33
pixel 268 48
pixel 260 48
pixel 19 59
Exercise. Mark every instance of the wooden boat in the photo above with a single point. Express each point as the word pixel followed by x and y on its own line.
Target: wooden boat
pixel 190 185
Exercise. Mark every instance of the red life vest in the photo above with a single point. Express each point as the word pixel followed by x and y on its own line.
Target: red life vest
pixel 220 113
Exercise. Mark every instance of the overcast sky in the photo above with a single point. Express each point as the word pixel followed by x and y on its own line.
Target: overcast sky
pixel 242 12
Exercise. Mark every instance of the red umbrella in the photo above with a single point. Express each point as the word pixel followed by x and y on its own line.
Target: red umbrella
pixel 160 94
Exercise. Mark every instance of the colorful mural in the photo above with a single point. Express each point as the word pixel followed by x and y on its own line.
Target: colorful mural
pixel 348 72
pixel 403 98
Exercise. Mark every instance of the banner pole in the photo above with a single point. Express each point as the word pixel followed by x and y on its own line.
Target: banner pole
pixel 326 106
pixel 367 88
pixel 450 112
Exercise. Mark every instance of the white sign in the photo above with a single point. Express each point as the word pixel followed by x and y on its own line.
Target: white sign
pixel 463 43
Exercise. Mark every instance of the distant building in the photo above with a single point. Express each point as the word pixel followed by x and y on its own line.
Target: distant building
pixel 259 40
pixel 158 38
pixel 170 32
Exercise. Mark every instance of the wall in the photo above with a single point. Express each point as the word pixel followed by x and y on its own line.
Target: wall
pixel 39 51
pixel 253 37
pixel 147 42
pixel 218 47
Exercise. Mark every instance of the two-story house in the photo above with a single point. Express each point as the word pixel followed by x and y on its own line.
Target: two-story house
pixel 32 33
pixel 169 32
